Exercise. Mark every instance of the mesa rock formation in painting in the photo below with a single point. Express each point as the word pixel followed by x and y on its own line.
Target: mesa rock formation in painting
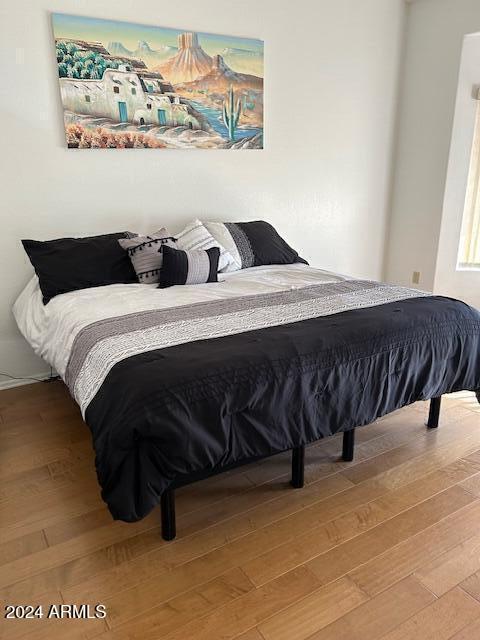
pixel 189 63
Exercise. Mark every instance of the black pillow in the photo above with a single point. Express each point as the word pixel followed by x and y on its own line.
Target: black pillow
pixel 188 267
pixel 70 264
pixel 267 244
pixel 253 244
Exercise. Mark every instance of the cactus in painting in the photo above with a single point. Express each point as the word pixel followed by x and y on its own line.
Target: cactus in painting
pixel 231 113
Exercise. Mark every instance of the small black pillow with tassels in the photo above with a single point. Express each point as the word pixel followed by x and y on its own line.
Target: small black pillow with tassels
pixel 188 267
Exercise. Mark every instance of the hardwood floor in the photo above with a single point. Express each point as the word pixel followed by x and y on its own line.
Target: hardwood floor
pixel 386 547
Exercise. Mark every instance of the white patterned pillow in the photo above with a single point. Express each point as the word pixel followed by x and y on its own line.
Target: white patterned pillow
pixel 222 235
pixel 146 256
pixel 196 236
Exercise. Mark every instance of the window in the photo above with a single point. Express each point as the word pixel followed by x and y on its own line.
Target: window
pixel 134 92
pixel 149 105
pixel 116 89
pixel 87 98
pixel 469 253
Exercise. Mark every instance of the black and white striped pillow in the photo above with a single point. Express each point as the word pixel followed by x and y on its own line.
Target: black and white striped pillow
pixel 188 267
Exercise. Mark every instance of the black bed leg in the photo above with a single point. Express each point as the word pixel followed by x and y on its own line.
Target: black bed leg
pixel 169 529
pixel 298 467
pixel 348 445
pixel 434 412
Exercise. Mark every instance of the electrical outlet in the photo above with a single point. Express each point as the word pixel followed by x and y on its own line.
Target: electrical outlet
pixel 416 277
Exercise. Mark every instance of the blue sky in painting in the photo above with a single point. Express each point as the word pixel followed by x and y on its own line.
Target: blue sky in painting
pixel 104 31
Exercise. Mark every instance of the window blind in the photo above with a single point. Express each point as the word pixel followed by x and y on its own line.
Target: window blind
pixel 469 253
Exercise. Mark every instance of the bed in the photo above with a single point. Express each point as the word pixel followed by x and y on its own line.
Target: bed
pixel 178 384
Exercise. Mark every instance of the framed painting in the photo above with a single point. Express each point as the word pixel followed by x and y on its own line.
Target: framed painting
pixel 126 85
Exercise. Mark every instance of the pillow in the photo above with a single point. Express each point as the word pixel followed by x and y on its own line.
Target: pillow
pixel 70 264
pixel 196 236
pixel 145 254
pixel 252 244
pixel 188 267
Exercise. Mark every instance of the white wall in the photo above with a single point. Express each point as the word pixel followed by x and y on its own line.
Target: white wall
pixel 434 36
pixel 323 178
pixel 449 280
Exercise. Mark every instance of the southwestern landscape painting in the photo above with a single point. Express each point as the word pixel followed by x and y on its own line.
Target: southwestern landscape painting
pixel 127 85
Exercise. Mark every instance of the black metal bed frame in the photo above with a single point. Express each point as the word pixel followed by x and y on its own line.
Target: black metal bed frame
pixel 169 528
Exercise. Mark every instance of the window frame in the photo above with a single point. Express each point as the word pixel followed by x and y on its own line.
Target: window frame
pixel 468 258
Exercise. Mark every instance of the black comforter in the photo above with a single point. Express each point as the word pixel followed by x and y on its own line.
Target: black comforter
pixel 168 414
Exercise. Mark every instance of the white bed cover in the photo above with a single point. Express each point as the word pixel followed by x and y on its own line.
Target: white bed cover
pixel 51 329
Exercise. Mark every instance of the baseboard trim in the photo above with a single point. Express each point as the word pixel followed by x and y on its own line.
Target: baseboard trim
pixel 8 383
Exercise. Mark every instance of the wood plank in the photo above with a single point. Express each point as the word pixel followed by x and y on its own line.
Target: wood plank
pixel 253 634
pixel 472 585
pixel 317 610
pixel 32 392
pixel 185 550
pixel 59 555
pixel 379 615
pixel 437 459
pixel 317 468
pixel 54 434
pixel 60 532
pixel 472 485
pixel 470 632
pixel 321 462
pixel 23 427
pixel 183 609
pixel 318 540
pixel 195 511
pixel 61 629
pixel 151 587
pixel 146 588
pixel 168 562
pixel 22 546
pixel 27 483
pixel 397 562
pixel 47 408
pixel 112 580
pixel 452 442
pixel 25 458
pixel 323 458
pixel 346 557
pixel 247 611
pixel 332 508
pixel 89 566
pixel 263 503
pixel 25 515
pixel 11 629
pixel 440 620
pixel 452 567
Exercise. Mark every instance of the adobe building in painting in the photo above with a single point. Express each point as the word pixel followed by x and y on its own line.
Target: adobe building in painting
pixel 176 95
pixel 128 95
